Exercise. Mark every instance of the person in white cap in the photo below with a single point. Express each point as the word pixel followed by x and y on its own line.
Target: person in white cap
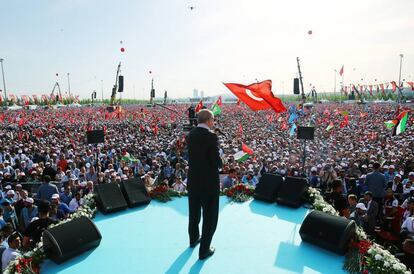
pixel 359 215
pixel 314 181
pixel 390 173
pixel 9 196
pixel 61 206
pixel 28 213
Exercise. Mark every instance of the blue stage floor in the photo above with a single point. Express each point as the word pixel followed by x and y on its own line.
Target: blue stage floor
pixel 251 237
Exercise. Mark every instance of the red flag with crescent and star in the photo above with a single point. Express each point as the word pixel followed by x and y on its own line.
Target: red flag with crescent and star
pixel 199 106
pixel 257 96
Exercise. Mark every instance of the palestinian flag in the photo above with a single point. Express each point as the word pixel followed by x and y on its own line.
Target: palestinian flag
pixel 401 124
pixel 390 124
pixel 216 109
pixel 241 156
pixel 330 126
pixel 247 149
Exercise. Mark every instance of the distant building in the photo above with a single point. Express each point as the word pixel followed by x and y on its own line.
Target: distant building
pixel 201 94
pixel 195 93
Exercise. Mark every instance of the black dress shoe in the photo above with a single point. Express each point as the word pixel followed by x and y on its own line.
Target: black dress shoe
pixel 192 245
pixel 209 253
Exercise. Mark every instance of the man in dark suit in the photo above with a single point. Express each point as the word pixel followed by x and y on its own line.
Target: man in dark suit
pixel 203 182
pixel 372 212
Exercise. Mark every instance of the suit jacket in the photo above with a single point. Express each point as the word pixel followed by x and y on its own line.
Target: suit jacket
pixel 376 184
pixel 204 162
pixel 372 214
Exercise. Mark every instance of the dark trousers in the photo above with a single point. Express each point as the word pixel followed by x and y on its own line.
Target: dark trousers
pixel 379 201
pixel 210 206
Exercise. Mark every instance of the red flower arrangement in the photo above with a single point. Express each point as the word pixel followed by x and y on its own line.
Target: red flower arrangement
pixel 164 194
pixel 27 265
pixel 362 246
pixel 239 192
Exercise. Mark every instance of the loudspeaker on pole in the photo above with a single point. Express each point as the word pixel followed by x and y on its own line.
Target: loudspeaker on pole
pixel 296 89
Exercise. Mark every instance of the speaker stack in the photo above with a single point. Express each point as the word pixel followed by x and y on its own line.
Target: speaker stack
pixel 135 193
pixel 327 231
pixel 95 136
pixel 113 197
pixel 273 188
pixel 70 239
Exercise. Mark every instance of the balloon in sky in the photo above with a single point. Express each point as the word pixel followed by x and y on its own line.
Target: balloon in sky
pixel 309 32
pixel 122 49
pixel 150 72
pixel 57 74
pixel 120 42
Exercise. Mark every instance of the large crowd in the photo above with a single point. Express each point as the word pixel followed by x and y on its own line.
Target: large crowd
pixel 47 167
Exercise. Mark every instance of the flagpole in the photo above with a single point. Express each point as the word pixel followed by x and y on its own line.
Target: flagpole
pixel 335 83
pixel 399 79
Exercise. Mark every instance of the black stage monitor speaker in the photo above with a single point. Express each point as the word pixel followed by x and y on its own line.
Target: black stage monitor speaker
pixel 327 231
pixel 268 187
pixel 306 133
pixel 70 239
pixel 95 136
pixel 296 89
pixel 135 192
pixel 292 191
pixel 110 198
pixel 120 83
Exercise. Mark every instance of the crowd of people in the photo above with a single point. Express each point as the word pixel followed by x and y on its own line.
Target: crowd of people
pixel 47 167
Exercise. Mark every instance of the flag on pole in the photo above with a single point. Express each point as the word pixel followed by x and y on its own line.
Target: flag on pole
pixel 394 86
pixel 257 96
pixel 292 130
pixel 390 124
pixel 411 84
pixel 247 149
pixel 216 109
pixel 241 156
pixel 341 72
pixel 219 102
pixel 330 126
pixel 199 106
pixel 401 123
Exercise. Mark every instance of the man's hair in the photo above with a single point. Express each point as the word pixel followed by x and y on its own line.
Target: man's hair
pixel 336 184
pixel 43 206
pixel 352 197
pixel 368 193
pixel 47 179
pixel 231 170
pixel 204 115
pixel 376 165
pixel 12 238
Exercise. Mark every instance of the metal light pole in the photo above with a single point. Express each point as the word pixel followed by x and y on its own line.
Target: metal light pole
pixel 68 74
pixel 399 79
pixel 4 81
pixel 334 84
pixel 102 91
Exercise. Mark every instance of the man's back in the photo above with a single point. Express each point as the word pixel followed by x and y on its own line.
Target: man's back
pixel 204 161
pixel 376 183
pixel 46 190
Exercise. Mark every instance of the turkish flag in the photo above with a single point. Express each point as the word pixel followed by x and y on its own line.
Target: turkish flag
pixel 219 102
pixel 257 96
pixel 341 72
pixel 394 86
pixel 411 85
pixel 199 106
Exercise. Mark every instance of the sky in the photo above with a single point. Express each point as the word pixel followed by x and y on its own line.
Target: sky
pixel 219 41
